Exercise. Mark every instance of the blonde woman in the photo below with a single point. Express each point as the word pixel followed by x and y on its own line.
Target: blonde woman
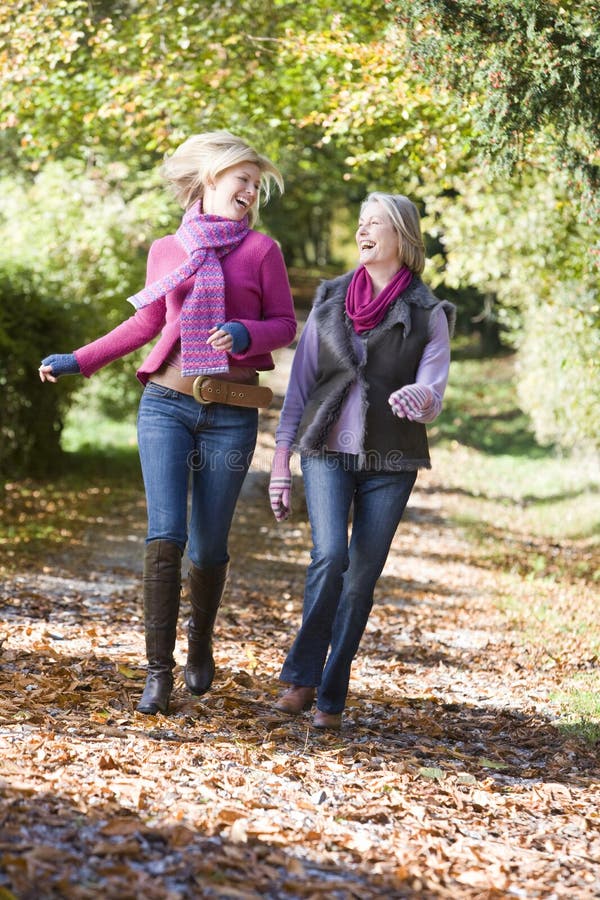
pixel 217 293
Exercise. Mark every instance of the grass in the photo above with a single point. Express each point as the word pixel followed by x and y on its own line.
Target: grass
pixel 580 708
pixel 484 449
pixel 87 429
pixel 497 478
pixel 532 514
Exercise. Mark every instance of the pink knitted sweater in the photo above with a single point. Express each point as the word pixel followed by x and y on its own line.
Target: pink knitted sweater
pixel 257 294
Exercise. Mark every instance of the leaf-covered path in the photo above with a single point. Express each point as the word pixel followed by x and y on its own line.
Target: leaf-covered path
pixel 450 778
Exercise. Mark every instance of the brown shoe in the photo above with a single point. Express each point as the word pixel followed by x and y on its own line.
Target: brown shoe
pixel 296 699
pixel 332 721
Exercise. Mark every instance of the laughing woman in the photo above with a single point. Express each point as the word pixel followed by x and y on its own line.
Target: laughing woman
pixel 370 370
pixel 217 292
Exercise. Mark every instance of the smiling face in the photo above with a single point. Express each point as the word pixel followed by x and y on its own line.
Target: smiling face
pixel 233 192
pixel 376 237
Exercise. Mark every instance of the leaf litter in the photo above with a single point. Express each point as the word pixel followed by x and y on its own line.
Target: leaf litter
pixel 450 777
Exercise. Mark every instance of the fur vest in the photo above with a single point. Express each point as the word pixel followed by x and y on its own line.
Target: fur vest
pixel 392 353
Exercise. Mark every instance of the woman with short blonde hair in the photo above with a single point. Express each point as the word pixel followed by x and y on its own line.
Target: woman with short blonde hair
pixel 404 216
pixel 217 293
pixel 203 157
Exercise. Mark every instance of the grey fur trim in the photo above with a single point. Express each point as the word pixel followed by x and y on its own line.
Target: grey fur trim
pixel 316 433
pixel 406 465
pixel 335 331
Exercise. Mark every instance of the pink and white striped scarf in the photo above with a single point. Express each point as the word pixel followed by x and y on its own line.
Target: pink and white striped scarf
pixel 205 238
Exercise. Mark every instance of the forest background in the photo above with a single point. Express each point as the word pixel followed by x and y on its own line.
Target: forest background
pixel 468 762
pixel 487 114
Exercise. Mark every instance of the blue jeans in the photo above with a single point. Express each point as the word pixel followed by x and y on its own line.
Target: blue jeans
pixel 182 442
pixel 341 577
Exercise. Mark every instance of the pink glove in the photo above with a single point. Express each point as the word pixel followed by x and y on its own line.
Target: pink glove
pixel 280 485
pixel 411 401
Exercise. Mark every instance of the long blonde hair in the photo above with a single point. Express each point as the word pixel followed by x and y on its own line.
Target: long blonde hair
pixel 202 157
pixel 407 223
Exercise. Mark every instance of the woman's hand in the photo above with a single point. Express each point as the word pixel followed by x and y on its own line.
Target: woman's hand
pixel 52 367
pixel 411 401
pixel 280 485
pixel 220 340
pixel 239 338
pixel 45 373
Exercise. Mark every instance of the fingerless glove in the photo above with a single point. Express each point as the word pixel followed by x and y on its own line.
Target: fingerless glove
pixel 62 364
pixel 239 334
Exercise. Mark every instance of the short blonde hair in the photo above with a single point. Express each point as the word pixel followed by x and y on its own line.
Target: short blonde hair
pixel 202 157
pixel 405 218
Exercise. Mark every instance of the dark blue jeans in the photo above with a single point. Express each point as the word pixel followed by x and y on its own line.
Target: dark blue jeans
pixel 341 577
pixel 182 442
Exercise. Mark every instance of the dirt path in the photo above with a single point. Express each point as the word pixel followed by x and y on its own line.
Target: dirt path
pixel 450 778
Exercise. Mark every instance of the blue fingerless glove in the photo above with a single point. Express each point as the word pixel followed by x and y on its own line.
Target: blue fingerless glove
pixel 239 333
pixel 62 364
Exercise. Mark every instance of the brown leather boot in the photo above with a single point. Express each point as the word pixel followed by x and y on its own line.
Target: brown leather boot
pixel 296 699
pixel 330 721
pixel 162 590
pixel 206 591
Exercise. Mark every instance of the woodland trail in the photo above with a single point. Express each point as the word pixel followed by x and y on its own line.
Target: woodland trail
pixel 450 778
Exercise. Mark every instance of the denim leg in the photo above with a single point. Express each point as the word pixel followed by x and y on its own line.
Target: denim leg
pixel 213 445
pixel 221 459
pixel 379 503
pixel 329 488
pixel 165 442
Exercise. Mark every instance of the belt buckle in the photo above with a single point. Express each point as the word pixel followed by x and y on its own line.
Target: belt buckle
pixel 197 389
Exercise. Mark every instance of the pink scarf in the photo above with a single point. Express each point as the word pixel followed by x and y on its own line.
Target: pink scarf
pixel 206 239
pixel 366 311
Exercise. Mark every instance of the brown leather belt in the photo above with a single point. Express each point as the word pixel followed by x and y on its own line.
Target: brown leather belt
pixel 211 390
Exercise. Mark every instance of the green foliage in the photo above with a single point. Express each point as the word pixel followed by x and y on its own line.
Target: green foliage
pixel 484 447
pixel 71 250
pixel 559 366
pixel 526 245
pixel 82 239
pixel 481 410
pixel 138 78
pixel 390 95
pixel 30 414
pixel 323 90
pixel 141 77
pixel 526 70
pixel 525 73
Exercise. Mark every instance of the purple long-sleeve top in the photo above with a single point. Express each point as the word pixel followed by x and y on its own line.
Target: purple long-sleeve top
pixel 257 294
pixel 432 372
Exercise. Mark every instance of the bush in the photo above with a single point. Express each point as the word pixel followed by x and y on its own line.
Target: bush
pixel 559 368
pixel 31 413
pixel 73 246
pixel 527 246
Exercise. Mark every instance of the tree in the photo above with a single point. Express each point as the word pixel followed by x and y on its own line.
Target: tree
pixel 136 78
pixel 527 70
pixel 394 95
pixel 521 230
pixel 30 426
pixel 321 89
pixel 71 251
pixel 525 244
